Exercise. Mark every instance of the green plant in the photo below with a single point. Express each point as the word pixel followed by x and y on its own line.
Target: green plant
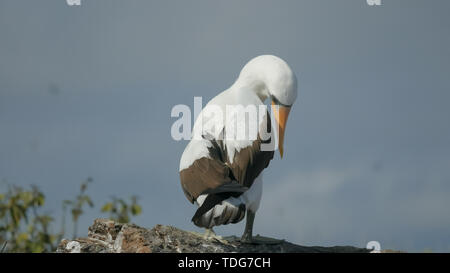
pixel 22 227
pixel 76 205
pixel 119 210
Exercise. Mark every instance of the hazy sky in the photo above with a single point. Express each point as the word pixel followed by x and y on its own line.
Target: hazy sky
pixel 88 91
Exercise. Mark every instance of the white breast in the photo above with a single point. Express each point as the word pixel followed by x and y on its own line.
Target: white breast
pixel 205 125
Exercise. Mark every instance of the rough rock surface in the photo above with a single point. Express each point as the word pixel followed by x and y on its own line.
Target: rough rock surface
pixel 106 236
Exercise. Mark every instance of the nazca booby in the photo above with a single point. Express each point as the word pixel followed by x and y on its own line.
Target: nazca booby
pixel 222 174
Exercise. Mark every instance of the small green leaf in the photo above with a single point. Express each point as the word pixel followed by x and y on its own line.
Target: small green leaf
pixel 22 237
pixel 107 207
pixel 136 209
pixel 40 200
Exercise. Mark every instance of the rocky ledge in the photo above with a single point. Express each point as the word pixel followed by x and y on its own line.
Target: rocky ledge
pixel 106 236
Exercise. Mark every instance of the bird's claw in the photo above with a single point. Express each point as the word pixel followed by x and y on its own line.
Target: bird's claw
pixel 210 235
pixel 246 239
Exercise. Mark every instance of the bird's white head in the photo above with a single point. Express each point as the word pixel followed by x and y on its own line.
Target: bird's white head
pixel 271 77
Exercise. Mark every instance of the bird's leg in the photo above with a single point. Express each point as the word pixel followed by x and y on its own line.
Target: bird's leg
pixel 209 232
pixel 211 235
pixel 247 237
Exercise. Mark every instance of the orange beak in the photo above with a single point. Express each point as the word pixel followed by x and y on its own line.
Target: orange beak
pixel 281 115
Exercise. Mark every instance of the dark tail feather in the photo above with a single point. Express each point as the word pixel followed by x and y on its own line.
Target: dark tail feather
pixel 209 203
pixel 212 200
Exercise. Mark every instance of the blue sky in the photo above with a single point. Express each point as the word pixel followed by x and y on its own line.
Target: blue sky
pixel 87 91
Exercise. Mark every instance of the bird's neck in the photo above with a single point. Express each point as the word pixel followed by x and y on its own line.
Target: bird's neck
pixel 256 86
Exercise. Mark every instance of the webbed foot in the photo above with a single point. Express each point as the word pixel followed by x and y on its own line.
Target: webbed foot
pixel 211 235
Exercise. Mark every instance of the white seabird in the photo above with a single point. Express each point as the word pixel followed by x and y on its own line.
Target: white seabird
pixel 223 175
